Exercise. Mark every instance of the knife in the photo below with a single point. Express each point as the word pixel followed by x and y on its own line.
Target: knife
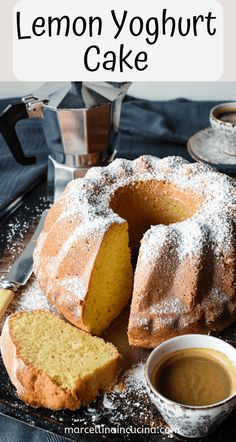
pixel 20 271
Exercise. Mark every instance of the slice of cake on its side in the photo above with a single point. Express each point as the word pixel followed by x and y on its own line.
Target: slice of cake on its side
pixel 53 364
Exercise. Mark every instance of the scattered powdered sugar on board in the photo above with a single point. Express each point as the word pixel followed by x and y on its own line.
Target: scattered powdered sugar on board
pixel 32 298
pixel 29 298
pixel 135 377
pixel 127 403
pixel 129 397
pixel 20 224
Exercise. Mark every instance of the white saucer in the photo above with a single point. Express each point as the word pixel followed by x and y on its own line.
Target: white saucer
pixel 205 146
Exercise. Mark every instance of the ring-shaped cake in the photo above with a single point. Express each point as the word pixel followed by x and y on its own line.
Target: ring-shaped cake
pixel 184 217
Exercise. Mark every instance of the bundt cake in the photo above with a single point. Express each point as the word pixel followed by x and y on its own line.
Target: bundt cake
pixel 184 281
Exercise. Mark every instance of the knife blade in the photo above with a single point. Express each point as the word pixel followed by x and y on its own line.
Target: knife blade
pixel 20 271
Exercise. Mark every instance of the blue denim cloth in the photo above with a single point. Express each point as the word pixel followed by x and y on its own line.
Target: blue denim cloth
pixel 12 430
pixel 160 128
pixel 15 178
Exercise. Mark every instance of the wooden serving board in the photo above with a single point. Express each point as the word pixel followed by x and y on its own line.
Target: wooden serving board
pixel 127 406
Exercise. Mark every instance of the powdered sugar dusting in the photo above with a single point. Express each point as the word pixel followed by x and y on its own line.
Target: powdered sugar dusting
pixel 168 306
pixel 210 230
pixel 175 315
pixel 74 286
pixel 89 198
pixel 32 298
pixel 29 298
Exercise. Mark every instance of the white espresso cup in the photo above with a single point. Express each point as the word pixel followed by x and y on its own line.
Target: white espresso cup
pixel 226 130
pixel 186 420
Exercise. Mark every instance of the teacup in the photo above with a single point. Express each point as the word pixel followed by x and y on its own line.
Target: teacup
pixel 186 420
pixel 223 121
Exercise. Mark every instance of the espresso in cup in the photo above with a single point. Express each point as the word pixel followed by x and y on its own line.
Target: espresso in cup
pixel 195 376
pixel 228 117
pixel 191 379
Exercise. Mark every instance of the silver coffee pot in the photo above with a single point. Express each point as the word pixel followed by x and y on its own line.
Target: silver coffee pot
pixel 80 124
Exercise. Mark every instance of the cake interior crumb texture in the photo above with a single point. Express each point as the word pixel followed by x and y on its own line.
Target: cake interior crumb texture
pixel 60 350
pixel 106 299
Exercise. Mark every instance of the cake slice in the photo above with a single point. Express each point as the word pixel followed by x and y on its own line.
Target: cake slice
pixel 53 364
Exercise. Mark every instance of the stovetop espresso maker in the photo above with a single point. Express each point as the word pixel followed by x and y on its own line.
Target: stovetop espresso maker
pixel 80 123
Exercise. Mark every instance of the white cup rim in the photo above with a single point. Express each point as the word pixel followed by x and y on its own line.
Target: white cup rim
pixel 173 340
pixel 229 105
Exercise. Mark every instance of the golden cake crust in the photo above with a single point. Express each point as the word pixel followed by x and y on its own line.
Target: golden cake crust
pixel 39 390
pixel 185 275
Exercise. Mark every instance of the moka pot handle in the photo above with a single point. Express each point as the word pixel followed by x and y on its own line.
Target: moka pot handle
pixel 8 120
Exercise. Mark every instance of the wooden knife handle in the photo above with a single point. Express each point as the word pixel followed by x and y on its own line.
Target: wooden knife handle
pixel 6 297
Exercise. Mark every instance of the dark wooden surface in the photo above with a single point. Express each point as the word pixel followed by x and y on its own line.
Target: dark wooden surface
pixel 14 235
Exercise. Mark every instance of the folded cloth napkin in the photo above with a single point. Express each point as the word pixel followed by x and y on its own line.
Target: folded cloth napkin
pixel 15 178
pixel 12 430
pixel 158 128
